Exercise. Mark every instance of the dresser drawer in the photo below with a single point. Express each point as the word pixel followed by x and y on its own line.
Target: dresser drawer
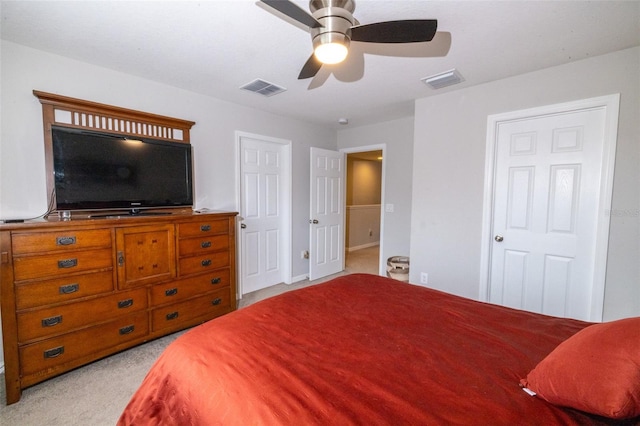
pixel 203 263
pixel 64 318
pixel 194 246
pixel 53 265
pixel 189 287
pixel 59 290
pixel 204 227
pixel 209 306
pixel 41 242
pixel 43 356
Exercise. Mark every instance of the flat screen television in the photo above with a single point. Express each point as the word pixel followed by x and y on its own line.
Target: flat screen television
pixel 98 171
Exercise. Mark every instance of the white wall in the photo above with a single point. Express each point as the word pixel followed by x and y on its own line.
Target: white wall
pixel 448 172
pixel 397 164
pixel 363 226
pixel 22 172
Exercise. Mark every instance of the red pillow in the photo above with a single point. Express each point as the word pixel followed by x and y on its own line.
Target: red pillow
pixel 597 370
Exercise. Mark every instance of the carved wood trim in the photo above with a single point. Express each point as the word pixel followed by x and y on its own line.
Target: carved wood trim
pixel 86 115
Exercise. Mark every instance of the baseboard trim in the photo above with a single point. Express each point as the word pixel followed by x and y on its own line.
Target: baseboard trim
pixel 298 279
pixel 363 246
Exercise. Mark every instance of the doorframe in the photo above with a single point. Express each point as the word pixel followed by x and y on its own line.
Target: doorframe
pixel 377 147
pixel 285 205
pixel 611 104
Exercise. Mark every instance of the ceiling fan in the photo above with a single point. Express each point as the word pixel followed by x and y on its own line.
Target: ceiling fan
pixel 333 27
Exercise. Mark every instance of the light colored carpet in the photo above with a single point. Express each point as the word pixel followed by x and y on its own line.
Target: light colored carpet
pixel 97 393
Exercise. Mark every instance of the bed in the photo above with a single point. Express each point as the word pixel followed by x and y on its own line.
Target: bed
pixel 364 349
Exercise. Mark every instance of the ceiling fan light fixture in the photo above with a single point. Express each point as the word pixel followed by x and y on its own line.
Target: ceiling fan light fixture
pixel 331 53
pixel 332 27
pixel 331 41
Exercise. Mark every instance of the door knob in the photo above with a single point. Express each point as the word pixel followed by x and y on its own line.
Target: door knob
pixel 243 225
pixel 314 221
pixel 498 238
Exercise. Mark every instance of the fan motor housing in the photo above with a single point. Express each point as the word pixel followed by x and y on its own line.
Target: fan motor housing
pixel 336 17
pixel 349 5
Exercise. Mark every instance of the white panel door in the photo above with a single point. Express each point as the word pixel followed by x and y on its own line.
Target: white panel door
pixel 547 185
pixel 326 253
pixel 261 180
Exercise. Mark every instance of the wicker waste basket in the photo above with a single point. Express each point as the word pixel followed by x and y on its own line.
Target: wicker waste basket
pixel 398 268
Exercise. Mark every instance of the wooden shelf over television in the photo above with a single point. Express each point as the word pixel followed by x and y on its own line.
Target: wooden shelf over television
pixel 74 291
pixel 92 116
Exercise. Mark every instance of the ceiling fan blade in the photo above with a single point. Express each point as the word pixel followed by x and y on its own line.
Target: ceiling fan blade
pixel 293 11
pixel 406 31
pixel 310 68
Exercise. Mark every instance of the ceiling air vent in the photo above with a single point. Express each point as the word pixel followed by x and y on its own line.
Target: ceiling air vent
pixel 263 88
pixel 444 79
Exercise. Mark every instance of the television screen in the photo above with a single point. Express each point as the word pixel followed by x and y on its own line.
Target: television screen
pixel 101 171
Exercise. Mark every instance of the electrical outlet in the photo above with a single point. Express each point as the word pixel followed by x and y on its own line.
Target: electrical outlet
pixel 424 278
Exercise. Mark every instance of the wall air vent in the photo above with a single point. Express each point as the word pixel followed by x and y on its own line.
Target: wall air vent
pixel 444 79
pixel 263 88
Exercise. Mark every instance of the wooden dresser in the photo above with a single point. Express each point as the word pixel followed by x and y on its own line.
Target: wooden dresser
pixel 72 292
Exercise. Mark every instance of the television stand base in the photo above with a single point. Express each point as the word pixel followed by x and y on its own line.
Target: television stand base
pixel 149 214
pixel 131 213
pixel 138 212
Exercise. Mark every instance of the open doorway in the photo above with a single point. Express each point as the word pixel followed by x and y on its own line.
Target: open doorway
pixel 364 179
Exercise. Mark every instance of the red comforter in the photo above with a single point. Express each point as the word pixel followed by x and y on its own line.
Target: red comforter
pixel 359 349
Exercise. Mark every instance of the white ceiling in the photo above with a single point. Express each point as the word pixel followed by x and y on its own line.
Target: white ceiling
pixel 214 47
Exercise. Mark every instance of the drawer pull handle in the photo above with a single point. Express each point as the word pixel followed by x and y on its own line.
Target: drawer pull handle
pixel 216 280
pixel 125 303
pixel 205 228
pixel 51 321
pixel 127 330
pixel 172 316
pixel 205 244
pixel 216 301
pixel 67 263
pixel 65 241
pixel 52 353
pixel 206 262
pixel 69 288
pixel 171 292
